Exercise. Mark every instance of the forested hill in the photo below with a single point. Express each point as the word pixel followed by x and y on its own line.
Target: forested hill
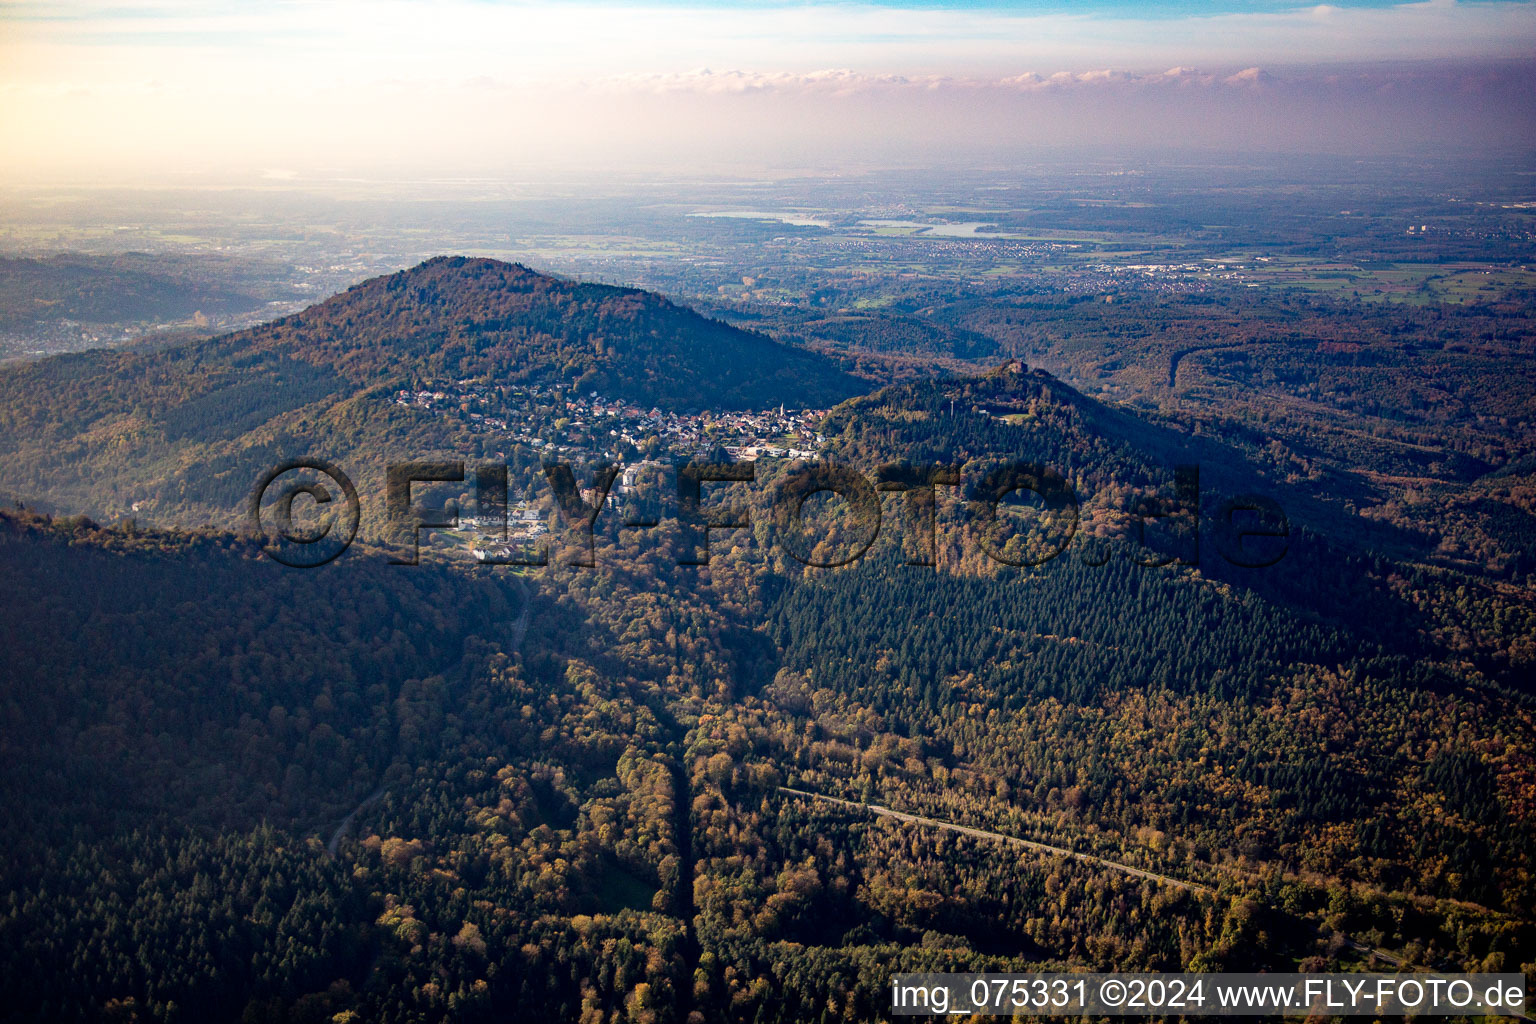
pixel 116 289
pixel 1122 471
pixel 183 431
pixel 455 317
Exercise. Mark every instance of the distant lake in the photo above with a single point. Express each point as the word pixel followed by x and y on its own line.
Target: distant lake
pixel 799 220
pixel 963 229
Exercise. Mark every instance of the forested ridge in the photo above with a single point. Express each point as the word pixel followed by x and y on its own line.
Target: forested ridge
pixel 1417 416
pixel 129 287
pixel 1338 786
pixel 583 819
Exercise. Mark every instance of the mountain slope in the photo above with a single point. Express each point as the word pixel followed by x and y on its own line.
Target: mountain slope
pixel 459 317
pixel 186 430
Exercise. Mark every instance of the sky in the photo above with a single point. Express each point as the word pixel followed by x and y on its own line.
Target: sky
pixel 172 91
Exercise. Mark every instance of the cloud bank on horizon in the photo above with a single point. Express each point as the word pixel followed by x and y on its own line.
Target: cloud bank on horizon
pixel 174 89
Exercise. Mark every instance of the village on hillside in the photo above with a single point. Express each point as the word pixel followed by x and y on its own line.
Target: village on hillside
pixel 590 427
pixel 549 419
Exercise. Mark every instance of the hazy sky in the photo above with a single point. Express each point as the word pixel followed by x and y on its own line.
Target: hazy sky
pixel 176 91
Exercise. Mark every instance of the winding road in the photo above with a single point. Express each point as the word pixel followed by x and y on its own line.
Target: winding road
pixel 346 823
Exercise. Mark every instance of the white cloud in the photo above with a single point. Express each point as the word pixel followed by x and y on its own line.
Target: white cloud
pixel 409 82
pixel 424 40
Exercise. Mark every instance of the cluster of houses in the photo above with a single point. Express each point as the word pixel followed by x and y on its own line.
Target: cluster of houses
pixel 458 398
pixel 592 423
pixel 524 523
pixel 591 427
pixel 527 522
pixel 744 435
